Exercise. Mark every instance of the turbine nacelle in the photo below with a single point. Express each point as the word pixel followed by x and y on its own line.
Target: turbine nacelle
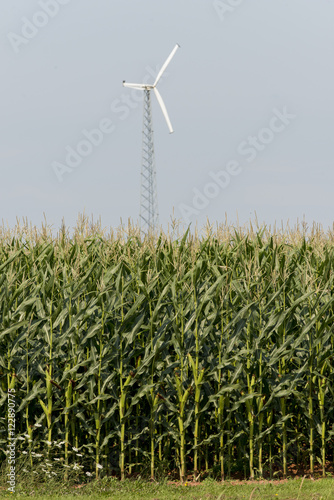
pixel 142 86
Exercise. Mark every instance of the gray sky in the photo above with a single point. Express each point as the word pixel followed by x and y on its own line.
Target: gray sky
pixel 249 94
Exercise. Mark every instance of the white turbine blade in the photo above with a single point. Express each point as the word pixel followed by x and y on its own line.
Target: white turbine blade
pixel 134 85
pixel 166 64
pixel 164 110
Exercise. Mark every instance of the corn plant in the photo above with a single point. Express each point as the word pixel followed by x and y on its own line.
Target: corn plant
pixel 199 354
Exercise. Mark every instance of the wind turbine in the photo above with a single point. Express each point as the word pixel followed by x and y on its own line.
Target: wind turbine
pixel 149 216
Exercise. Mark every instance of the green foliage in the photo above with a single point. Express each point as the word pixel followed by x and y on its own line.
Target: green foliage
pixel 211 354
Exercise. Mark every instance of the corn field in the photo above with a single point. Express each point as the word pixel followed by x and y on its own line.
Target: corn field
pixel 189 354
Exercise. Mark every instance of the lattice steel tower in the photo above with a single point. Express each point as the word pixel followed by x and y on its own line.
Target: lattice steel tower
pixel 149 217
pixel 149 214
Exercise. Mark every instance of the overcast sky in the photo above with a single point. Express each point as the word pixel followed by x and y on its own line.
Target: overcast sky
pixel 249 94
